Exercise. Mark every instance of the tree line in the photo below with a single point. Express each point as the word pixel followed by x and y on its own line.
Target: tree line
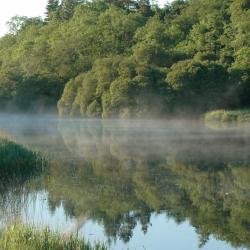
pixel 128 58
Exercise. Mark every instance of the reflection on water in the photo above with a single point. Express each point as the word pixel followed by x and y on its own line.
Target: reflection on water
pixel 136 184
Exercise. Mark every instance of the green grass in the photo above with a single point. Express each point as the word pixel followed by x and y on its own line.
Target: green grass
pixel 228 116
pixel 20 237
pixel 16 160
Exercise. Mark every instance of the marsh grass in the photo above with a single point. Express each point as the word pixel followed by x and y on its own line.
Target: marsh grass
pixel 21 237
pixel 228 116
pixel 17 161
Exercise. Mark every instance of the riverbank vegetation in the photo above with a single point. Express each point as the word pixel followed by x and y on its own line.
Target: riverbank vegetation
pixel 19 237
pixel 109 58
pixel 17 161
pixel 228 116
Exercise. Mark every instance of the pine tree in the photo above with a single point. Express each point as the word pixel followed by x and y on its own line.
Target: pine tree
pixel 125 4
pixel 51 8
pixel 67 8
pixel 144 7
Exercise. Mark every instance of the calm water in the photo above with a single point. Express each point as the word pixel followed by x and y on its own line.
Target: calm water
pixel 135 184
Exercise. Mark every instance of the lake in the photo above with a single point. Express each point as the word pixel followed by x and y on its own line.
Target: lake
pixel 134 184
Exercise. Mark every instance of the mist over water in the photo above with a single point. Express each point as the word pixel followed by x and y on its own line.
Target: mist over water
pixel 137 184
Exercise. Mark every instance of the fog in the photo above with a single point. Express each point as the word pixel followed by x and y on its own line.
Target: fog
pixel 187 140
pixel 125 177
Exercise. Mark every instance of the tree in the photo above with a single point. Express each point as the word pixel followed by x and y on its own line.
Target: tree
pixel 52 9
pixel 199 85
pixel 127 57
pixel 67 8
pixel 125 4
pixel 16 23
pixel 144 7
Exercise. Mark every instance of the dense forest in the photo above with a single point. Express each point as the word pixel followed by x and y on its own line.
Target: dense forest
pixel 128 58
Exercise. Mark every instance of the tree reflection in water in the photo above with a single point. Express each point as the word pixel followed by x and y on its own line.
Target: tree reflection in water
pixel 119 177
pixel 119 174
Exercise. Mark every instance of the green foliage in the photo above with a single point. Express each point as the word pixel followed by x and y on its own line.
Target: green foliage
pixel 196 53
pixel 19 237
pixel 199 85
pixel 16 23
pixel 112 87
pixel 16 161
pixel 52 9
pixel 233 116
pixel 67 9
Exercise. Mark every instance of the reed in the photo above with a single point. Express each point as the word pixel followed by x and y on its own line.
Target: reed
pixel 17 160
pixel 20 237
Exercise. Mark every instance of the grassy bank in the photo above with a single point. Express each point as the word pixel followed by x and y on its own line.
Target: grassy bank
pixel 16 160
pixel 228 116
pixel 27 238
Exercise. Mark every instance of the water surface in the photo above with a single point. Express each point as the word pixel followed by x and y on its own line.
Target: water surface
pixel 135 184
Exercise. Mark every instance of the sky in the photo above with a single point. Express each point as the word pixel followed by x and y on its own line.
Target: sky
pixel 28 8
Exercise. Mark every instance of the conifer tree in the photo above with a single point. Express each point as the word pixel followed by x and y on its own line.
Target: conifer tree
pixel 67 8
pixel 51 8
pixel 144 7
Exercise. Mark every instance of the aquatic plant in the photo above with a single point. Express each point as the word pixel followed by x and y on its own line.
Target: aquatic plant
pixel 20 237
pixel 16 160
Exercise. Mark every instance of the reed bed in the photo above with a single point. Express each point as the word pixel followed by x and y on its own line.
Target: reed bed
pixel 21 237
pixel 17 160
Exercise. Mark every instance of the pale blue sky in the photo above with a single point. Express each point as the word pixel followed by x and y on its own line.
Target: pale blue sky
pixel 29 8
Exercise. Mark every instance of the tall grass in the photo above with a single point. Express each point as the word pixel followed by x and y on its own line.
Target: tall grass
pixel 20 237
pixel 16 160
